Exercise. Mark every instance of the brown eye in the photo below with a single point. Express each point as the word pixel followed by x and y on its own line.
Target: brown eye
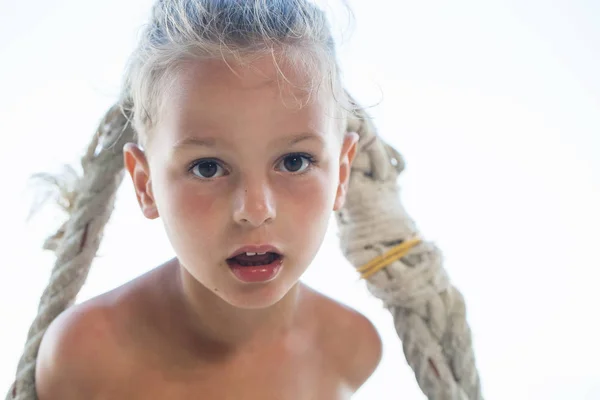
pixel 207 169
pixel 296 162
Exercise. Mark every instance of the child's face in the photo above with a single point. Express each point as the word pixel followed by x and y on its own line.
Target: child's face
pixel 223 169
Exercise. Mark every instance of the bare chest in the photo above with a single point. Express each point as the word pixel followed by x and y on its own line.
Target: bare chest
pixel 308 376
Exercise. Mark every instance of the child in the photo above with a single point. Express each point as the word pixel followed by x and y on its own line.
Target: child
pixel 243 149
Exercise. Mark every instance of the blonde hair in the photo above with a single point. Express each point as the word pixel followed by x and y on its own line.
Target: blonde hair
pixel 291 31
pixel 428 312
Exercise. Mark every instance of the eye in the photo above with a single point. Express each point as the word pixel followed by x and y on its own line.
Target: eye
pixel 297 163
pixel 207 169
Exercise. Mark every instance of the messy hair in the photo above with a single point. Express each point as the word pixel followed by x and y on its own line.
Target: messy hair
pixel 376 234
pixel 294 32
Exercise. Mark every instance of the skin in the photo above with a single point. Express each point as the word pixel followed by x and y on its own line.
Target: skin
pixel 206 328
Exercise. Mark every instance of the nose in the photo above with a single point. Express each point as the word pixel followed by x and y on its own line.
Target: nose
pixel 255 205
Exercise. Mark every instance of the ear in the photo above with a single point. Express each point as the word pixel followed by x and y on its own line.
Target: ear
pixel 136 164
pixel 347 155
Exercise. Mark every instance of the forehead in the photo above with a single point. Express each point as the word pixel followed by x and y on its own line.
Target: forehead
pixel 246 74
pixel 216 88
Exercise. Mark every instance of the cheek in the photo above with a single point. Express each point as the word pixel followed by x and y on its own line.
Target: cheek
pixel 308 206
pixel 311 197
pixel 314 194
pixel 193 202
pixel 178 195
pixel 187 209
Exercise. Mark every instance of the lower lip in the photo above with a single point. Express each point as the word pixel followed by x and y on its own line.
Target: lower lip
pixel 256 274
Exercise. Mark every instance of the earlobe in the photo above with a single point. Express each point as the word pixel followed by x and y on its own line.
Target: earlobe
pixel 136 164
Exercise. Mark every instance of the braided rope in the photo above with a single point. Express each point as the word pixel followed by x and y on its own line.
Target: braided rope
pixel 429 313
pixel 77 241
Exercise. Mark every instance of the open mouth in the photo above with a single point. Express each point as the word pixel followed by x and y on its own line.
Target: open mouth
pixel 253 259
pixel 255 267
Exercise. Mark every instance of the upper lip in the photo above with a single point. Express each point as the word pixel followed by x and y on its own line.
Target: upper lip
pixel 263 248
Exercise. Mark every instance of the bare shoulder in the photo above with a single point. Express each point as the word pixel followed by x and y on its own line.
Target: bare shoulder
pixel 81 350
pixel 351 339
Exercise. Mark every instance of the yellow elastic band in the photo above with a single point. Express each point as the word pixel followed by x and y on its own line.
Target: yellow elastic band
pixel 386 259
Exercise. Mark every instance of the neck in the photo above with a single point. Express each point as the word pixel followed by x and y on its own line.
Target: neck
pixel 210 318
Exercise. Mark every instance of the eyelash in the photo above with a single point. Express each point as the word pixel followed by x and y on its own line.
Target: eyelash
pixel 312 161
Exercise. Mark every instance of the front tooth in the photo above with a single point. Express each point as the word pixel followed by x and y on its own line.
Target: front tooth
pixel 261 254
pixel 250 254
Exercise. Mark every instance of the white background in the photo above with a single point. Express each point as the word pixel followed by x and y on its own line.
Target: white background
pixel 495 106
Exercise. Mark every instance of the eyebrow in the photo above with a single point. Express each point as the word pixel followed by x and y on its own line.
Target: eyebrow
pixel 195 141
pixel 212 142
pixel 300 137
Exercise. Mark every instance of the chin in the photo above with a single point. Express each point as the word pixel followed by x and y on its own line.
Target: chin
pixel 255 297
